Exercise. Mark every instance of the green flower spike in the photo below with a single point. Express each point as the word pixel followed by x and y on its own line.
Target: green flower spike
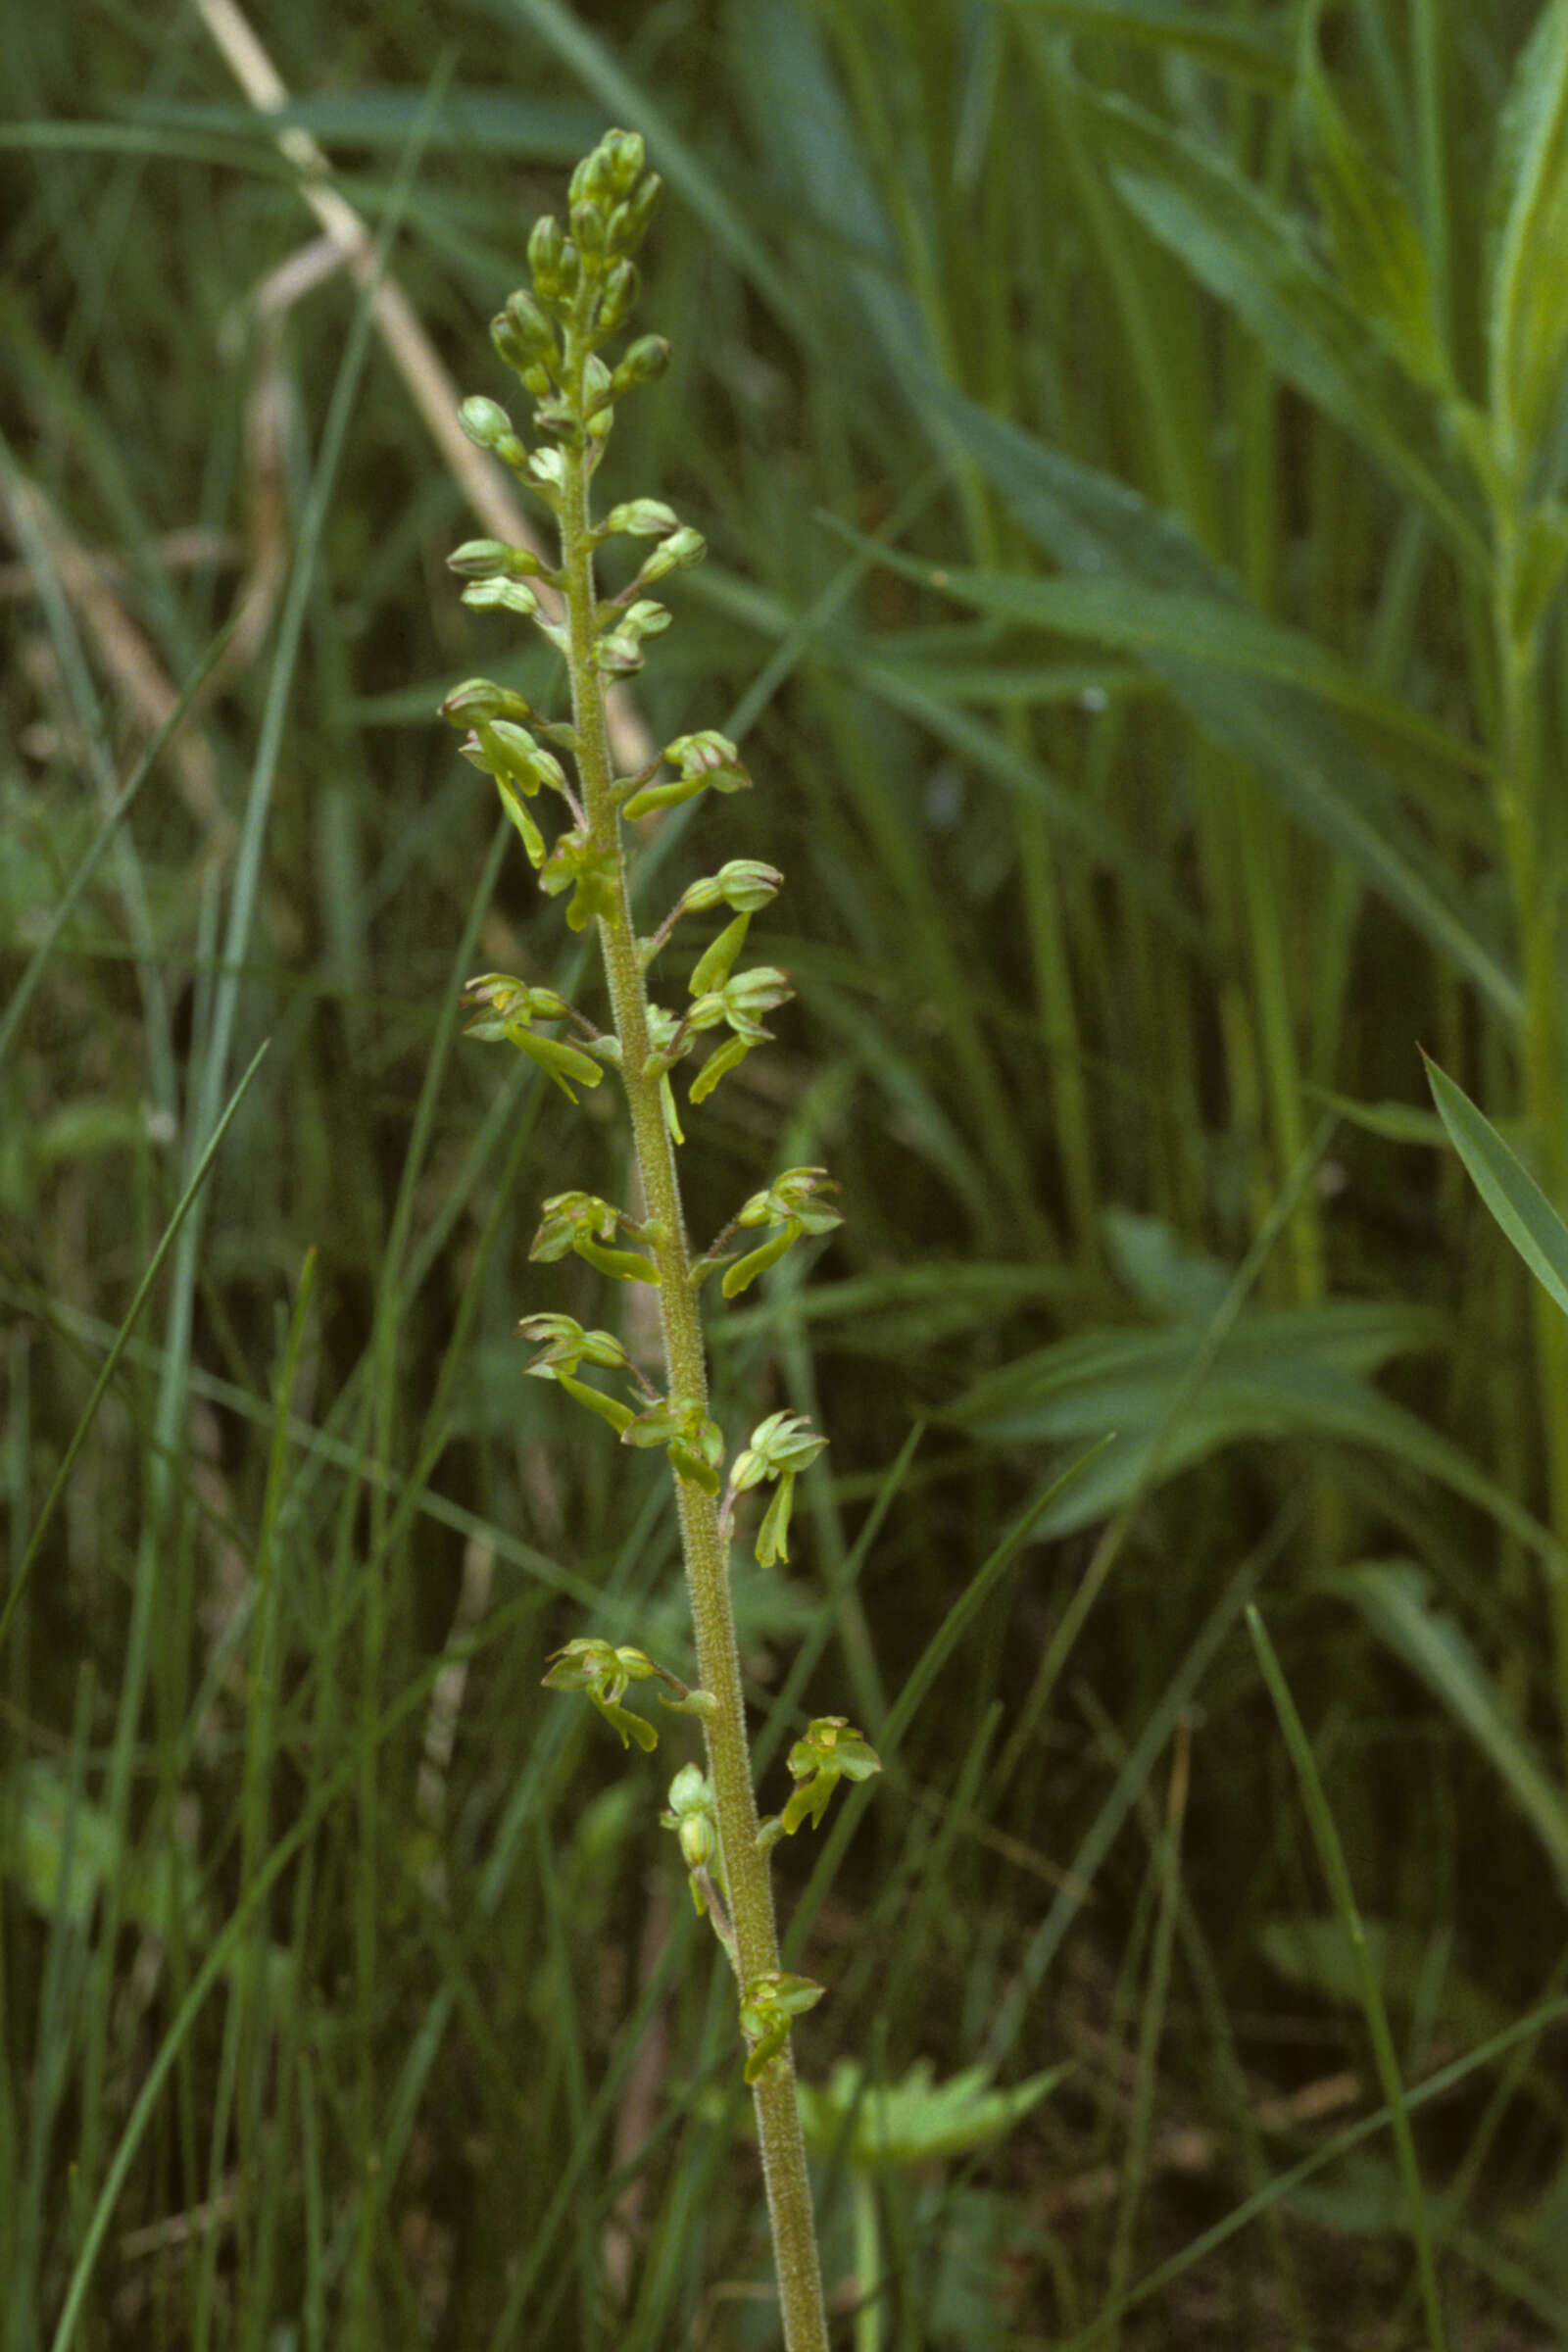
pixel 769 2005
pixel 556 337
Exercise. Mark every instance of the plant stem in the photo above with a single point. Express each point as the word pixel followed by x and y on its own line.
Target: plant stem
pixel 706 1553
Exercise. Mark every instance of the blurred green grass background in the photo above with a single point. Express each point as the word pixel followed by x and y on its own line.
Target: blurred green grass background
pixel 1133 540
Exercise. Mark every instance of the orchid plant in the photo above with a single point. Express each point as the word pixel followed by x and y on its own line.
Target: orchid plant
pixel 556 338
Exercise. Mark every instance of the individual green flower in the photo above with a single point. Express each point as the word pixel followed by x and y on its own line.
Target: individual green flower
pixel 769 2004
pixel 792 1203
pixel 591 875
pixel 692 1438
pixel 564 1345
pixel 781 1445
pixel 511 1009
pixel 582 1222
pixel 602 1673
pixel 830 1751
pixel 744 883
pixel 702 760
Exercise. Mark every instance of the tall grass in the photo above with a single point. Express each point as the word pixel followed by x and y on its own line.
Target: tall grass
pixel 1130 443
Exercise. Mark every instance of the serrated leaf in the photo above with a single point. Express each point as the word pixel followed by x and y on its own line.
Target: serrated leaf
pixel 916 2121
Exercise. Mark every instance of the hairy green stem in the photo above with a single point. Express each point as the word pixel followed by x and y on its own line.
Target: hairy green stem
pixel 707 1552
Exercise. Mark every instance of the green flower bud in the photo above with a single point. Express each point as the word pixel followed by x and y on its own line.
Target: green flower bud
pixel 640 519
pixel 532 328
pixel 588 228
pixel 564 1345
pixel 626 155
pixel 478 558
pixel 501 596
pixel 545 249
pixel 619 297
pixel 712 757
pixel 486 423
pixel 597 392
pixel 643 363
pixel 510 345
pixel 479 700
pixel 744 883
pixel 678 553
pixel 767 2005
pixel 629 224
pixel 783 1442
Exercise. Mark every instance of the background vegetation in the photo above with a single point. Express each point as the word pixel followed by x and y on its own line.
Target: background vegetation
pixel 1128 434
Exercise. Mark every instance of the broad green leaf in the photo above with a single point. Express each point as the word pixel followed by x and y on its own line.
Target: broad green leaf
pixel 1393 1596
pixel 61 1849
pixel 467 119
pixel 1527 317
pixel 1074 816
pixel 1303 1373
pixel 1227 44
pixel 1312 1954
pixel 1372 233
pixel 1092 523
pixel 1253 259
pixel 1164 1274
pixel 902 1310
pixel 1539 569
pixel 1216 629
pixel 1506 1185
pixel 1395 1122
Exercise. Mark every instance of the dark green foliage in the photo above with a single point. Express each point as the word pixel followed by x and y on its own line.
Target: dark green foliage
pixel 1196 754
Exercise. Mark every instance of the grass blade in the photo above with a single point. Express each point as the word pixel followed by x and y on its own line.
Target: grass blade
pixel 1331 1854
pixel 1507 1186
